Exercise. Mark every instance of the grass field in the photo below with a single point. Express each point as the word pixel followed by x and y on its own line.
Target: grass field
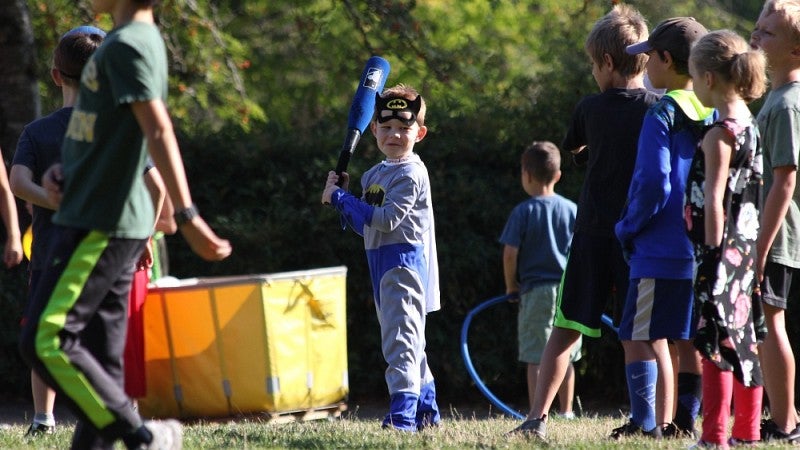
pixel 351 432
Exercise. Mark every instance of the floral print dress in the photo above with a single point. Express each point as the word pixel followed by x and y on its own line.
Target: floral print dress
pixel 731 316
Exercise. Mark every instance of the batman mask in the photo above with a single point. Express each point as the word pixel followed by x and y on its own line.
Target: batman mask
pixel 399 108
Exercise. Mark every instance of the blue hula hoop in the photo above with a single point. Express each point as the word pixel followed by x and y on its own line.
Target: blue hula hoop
pixel 468 361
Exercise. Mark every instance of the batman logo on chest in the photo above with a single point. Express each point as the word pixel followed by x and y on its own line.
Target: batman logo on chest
pixel 375 195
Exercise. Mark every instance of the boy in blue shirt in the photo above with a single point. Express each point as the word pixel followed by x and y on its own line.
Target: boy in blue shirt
pixel 537 237
pixel 652 232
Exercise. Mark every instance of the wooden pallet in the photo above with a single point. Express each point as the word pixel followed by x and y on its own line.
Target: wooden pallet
pixel 301 415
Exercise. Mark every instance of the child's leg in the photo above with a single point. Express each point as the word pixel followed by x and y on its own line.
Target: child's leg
pixel 401 315
pixel 552 369
pixel 690 389
pixel 427 408
pixel 531 375
pixel 747 412
pixel 567 391
pixel 717 390
pixel 641 373
pixel 665 386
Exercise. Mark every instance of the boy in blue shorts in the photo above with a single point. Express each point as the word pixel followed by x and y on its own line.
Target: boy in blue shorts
pixel 652 232
pixel 606 125
pixel 536 242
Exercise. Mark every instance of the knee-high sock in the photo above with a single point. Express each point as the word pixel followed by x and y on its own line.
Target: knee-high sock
pixel 747 412
pixel 690 393
pixel 717 391
pixel 642 376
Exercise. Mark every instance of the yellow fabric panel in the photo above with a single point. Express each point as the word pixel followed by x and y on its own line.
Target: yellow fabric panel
pixel 228 345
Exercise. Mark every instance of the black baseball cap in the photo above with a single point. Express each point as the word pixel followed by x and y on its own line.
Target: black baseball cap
pixel 674 35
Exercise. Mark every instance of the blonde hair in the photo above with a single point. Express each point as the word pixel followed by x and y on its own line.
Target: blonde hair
pixel 730 57
pixel 789 10
pixel 542 160
pixel 408 93
pixel 621 27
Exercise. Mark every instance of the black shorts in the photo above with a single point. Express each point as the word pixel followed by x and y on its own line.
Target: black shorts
pixel 594 282
pixel 777 286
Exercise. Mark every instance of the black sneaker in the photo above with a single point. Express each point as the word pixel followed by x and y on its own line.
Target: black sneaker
pixel 631 429
pixel 532 427
pixel 672 431
pixel 37 429
pixel 771 432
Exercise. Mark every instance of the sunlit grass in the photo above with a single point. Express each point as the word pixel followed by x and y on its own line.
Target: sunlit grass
pixel 458 431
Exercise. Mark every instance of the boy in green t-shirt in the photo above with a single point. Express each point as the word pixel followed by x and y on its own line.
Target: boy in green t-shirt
pixel 75 333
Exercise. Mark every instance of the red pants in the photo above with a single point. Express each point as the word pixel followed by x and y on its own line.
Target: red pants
pixel 135 382
pixel 719 388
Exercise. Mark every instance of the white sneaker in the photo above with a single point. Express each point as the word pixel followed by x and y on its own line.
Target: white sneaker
pixel 167 434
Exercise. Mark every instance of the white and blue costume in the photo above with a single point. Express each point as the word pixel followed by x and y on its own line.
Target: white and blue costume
pixel 395 217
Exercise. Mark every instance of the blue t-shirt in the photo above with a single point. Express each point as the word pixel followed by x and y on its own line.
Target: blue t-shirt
pixel 541 228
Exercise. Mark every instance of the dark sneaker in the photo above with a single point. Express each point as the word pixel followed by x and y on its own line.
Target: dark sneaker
pixel 631 429
pixel 532 427
pixel 37 428
pixel 672 431
pixel 771 432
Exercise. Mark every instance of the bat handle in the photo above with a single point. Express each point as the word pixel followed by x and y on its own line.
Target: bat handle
pixel 350 142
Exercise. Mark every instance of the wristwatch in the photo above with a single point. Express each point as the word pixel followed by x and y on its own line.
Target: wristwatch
pixel 185 215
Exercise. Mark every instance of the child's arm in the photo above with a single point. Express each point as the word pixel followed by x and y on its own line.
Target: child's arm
pixel 156 125
pixel 650 184
pixel 23 186
pixel 776 204
pixel 354 212
pixel 718 146
pixel 510 269
pixel 8 209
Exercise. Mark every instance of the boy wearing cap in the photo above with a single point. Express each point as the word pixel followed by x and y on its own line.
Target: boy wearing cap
pixel 777 34
pixel 395 217
pixel 652 232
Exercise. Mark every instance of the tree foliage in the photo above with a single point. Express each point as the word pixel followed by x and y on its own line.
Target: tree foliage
pixel 260 93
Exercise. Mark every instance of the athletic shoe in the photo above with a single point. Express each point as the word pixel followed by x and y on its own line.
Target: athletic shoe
pixel 771 432
pixel 566 416
pixel 703 444
pixel 631 429
pixel 733 442
pixel 672 431
pixel 532 428
pixel 167 435
pixel 37 429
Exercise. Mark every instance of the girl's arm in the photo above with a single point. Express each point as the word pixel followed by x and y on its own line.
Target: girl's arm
pixel 717 147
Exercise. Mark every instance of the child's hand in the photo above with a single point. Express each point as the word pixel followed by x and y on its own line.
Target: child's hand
pixel 53 181
pixel 13 252
pixel 204 241
pixel 331 186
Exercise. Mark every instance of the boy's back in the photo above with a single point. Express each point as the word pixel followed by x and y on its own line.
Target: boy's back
pixel 609 124
pixel 541 228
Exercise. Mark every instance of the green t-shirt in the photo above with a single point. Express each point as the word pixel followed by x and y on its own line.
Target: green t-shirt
pixel 779 124
pixel 104 150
